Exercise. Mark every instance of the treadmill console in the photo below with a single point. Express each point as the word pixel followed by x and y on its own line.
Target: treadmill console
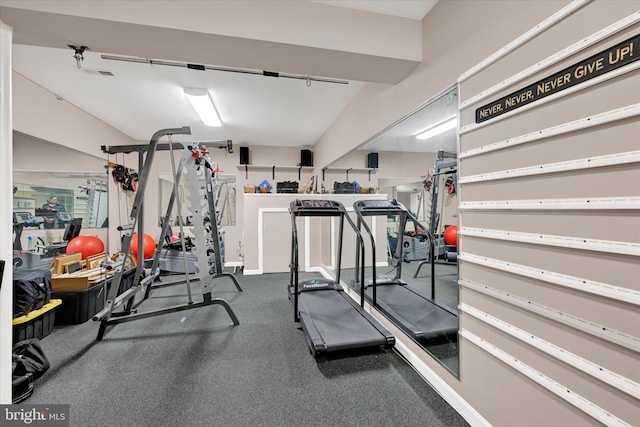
pixel 315 204
pixel 316 208
pixel 378 207
pixel 25 218
pixel 64 216
pixel 378 204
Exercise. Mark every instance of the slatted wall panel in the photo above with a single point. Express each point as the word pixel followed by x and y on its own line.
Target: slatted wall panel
pixel 550 225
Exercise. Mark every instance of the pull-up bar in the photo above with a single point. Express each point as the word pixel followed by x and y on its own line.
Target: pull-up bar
pixel 227 144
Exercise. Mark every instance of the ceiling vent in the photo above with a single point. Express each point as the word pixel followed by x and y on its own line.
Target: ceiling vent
pixel 94 72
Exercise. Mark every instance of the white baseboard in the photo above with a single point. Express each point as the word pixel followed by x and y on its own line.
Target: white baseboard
pixel 321 271
pixel 456 401
pixel 234 264
pixel 251 272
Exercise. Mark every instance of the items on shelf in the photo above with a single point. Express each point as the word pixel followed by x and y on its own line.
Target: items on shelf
pixel 345 187
pixel 264 187
pixel 287 187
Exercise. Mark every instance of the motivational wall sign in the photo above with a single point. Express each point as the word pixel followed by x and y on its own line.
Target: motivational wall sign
pixel 608 60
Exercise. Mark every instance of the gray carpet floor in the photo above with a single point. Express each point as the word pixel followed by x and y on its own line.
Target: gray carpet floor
pixel 193 368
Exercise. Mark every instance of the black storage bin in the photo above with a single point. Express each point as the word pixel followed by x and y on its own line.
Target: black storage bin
pixel 127 280
pixel 36 324
pixel 79 306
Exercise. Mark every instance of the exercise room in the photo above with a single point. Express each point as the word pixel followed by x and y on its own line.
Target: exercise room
pixel 323 213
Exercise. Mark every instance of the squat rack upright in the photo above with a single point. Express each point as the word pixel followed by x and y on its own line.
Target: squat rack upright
pixel 107 316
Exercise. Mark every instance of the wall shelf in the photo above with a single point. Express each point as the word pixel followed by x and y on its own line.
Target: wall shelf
pixel 347 170
pixel 273 169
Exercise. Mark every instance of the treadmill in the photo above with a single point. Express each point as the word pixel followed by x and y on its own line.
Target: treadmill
pixel 419 315
pixel 331 320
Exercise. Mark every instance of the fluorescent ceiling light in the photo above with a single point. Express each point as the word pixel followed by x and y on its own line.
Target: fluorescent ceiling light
pixel 202 103
pixel 438 129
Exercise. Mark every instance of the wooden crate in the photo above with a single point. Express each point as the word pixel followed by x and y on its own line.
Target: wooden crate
pixel 78 281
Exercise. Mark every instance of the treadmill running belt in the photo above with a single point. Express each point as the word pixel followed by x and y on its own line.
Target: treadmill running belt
pixel 339 325
pixel 420 316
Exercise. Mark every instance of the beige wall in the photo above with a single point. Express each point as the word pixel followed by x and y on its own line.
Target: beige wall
pixel 454 39
pixel 547 275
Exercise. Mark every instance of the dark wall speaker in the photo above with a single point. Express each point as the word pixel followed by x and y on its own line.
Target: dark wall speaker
pixel 306 158
pixel 372 160
pixel 244 155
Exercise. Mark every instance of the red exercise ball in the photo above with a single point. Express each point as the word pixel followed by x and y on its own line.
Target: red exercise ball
pixel 86 245
pixel 451 235
pixel 148 245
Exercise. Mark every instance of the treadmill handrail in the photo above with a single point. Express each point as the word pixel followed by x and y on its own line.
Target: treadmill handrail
pixel 361 209
pixel 334 209
pixel 362 248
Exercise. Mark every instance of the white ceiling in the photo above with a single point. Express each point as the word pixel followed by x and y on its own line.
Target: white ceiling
pixel 414 9
pixel 142 99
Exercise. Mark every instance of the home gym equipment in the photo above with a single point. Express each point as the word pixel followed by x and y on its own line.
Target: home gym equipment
pixel 331 319
pixel 60 218
pixel 87 245
pixel 20 221
pixel 41 255
pixel 125 176
pixel 148 245
pixel 419 315
pixel 203 260
pixel 451 235
pixel 171 256
pixel 171 261
pixel 107 316
pixel 415 247
pixel 97 203
pixel 446 164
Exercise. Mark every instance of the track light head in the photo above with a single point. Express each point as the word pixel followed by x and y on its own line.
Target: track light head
pixel 78 54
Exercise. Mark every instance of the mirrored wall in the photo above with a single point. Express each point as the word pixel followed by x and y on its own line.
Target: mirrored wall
pixel 51 208
pixel 225 191
pixel 412 215
pixel 53 199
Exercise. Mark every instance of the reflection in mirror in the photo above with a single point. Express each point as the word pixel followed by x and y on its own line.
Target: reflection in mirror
pixel 47 204
pixel 54 198
pixel 414 270
pixel 226 196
